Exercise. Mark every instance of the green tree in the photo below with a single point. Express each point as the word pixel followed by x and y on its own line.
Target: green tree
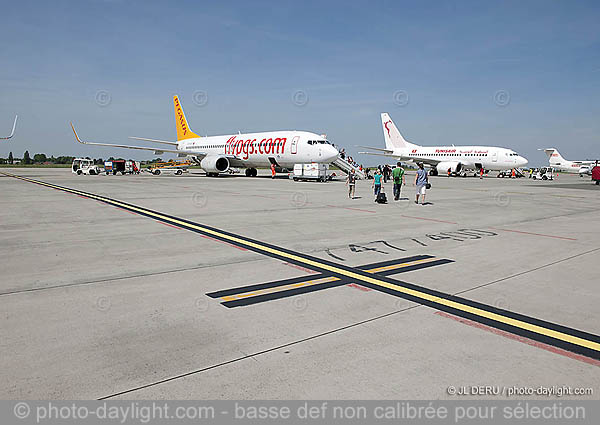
pixel 26 158
pixel 39 158
pixel 10 158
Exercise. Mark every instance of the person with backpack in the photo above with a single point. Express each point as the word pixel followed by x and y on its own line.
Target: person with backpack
pixel 351 182
pixel 421 181
pixel 377 184
pixel 398 177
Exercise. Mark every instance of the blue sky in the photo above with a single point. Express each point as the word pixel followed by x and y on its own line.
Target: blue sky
pixel 349 57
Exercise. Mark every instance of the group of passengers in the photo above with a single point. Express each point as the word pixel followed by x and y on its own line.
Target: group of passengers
pixel 396 174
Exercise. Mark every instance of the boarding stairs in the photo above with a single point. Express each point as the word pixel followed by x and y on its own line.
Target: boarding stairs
pixel 345 166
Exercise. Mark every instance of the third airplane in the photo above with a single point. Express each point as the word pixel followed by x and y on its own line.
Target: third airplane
pixel 559 163
pixel 216 154
pixel 444 158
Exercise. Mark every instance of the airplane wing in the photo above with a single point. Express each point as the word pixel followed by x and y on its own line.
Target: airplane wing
pixel 155 150
pixel 12 133
pixel 426 161
pixel 164 142
pixel 378 154
pixel 375 149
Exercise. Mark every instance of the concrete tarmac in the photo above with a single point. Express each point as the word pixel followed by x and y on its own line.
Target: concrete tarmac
pixel 99 302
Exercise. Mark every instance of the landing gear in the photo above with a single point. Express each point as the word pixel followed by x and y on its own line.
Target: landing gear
pixel 251 172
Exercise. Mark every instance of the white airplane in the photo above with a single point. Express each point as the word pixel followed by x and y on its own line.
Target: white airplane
pixel 444 158
pixel 12 133
pixel 559 163
pixel 217 154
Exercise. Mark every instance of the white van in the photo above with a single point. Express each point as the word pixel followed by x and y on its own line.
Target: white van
pixel 544 173
pixel 84 166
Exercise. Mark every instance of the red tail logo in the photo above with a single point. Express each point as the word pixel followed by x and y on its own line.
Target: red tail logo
pixel 387 128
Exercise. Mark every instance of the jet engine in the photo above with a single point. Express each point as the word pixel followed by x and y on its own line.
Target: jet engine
pixel 214 164
pixel 454 166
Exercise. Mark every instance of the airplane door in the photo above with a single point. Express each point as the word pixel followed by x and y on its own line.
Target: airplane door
pixel 495 157
pixel 295 144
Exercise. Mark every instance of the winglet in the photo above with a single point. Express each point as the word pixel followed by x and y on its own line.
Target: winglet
pixel 76 136
pixel 12 133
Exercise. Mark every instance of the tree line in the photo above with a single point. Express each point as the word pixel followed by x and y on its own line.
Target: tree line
pixel 42 158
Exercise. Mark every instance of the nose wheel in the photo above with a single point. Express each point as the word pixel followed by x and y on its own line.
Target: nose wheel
pixel 251 172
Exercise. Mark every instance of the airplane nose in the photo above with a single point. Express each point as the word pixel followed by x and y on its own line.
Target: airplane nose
pixel 331 153
pixel 522 161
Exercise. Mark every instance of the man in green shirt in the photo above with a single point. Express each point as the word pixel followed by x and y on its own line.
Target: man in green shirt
pixel 398 177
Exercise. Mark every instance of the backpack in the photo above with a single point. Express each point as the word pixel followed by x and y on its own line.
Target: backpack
pixel 381 198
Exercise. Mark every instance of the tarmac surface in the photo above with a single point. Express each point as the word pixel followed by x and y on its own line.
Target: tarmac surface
pixel 100 301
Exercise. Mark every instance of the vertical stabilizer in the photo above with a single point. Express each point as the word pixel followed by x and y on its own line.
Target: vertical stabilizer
pixel 183 129
pixel 393 138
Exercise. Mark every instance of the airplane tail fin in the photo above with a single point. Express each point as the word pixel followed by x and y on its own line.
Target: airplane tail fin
pixel 553 155
pixel 393 138
pixel 183 129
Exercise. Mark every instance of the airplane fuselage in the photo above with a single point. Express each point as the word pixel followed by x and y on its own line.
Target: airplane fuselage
pixel 258 149
pixel 572 166
pixel 472 157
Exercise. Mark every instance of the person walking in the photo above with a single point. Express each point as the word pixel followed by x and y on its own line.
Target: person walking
pixel 481 173
pixel 398 177
pixel 421 180
pixel 272 171
pixel 377 184
pixel 351 183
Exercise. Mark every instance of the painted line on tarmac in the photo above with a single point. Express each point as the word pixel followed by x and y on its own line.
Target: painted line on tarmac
pixel 570 339
pixel 351 208
pixel 428 219
pixel 253 294
pixel 534 234
pixel 524 340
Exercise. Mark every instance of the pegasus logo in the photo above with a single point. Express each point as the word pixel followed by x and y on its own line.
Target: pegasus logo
pixel 387 128
pixel 181 117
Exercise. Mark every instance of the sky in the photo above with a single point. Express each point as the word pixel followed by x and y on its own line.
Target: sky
pixel 523 74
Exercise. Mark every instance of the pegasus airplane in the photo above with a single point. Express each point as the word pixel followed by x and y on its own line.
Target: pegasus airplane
pixel 559 163
pixel 12 133
pixel 443 158
pixel 217 154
